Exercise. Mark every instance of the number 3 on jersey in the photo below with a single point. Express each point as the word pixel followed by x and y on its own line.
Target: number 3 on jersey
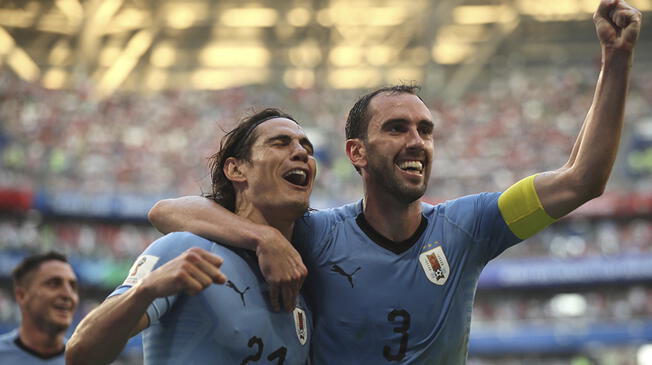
pixel 403 318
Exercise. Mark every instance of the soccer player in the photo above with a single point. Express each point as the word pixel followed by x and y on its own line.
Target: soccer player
pixel 264 173
pixel 45 287
pixel 392 280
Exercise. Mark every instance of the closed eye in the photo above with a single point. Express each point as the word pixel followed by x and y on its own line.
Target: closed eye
pixel 305 143
pixel 279 141
pixel 285 140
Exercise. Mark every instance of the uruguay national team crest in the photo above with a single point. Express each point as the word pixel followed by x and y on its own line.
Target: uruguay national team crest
pixel 301 325
pixel 143 266
pixel 435 265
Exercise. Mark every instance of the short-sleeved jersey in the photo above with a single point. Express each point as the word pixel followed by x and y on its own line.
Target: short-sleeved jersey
pixel 375 306
pixel 223 324
pixel 11 353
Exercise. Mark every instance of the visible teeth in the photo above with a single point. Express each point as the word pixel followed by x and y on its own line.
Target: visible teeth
pixel 298 172
pixel 296 176
pixel 413 165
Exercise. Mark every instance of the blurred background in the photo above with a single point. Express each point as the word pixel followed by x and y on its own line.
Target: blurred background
pixel 107 106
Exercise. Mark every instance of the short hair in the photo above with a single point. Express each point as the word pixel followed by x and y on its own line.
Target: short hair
pixel 31 263
pixel 237 143
pixel 357 122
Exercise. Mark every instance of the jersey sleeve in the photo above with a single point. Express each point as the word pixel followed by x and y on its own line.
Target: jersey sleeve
pixel 310 233
pixel 314 231
pixel 499 220
pixel 479 216
pixel 156 255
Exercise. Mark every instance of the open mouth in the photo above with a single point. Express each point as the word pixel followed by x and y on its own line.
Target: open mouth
pixel 411 166
pixel 297 177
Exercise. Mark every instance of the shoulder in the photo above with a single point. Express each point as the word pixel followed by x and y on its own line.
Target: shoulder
pixel 341 213
pixel 465 212
pixel 161 251
pixel 173 244
pixel 7 339
pixel 316 227
pixel 316 223
pixel 475 203
pixel 186 239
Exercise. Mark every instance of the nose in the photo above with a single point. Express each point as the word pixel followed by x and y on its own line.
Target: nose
pixel 299 152
pixel 415 140
pixel 69 292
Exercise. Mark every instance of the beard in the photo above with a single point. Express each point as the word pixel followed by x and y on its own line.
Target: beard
pixel 50 326
pixel 382 172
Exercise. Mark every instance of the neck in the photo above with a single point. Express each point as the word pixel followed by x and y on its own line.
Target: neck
pixel 39 340
pixel 394 220
pixel 270 217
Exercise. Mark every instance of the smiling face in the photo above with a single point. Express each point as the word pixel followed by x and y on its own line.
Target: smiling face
pixel 282 168
pixel 49 296
pixel 396 157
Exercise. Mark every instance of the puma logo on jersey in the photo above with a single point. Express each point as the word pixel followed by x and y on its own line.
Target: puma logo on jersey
pixel 241 293
pixel 349 277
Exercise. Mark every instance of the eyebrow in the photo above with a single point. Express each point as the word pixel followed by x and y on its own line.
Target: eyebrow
pixel 403 120
pixel 304 141
pixel 61 278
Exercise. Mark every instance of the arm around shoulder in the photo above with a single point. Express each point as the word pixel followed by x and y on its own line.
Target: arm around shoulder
pixel 279 261
pixel 204 217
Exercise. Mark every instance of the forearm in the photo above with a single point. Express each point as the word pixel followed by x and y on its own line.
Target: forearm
pixel 279 262
pixel 208 219
pixel 103 333
pixel 587 171
pixel 599 142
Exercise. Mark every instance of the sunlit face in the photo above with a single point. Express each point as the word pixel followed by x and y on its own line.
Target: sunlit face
pixel 50 296
pixel 282 170
pixel 399 147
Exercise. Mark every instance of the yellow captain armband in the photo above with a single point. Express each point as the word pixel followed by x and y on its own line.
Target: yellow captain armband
pixel 522 210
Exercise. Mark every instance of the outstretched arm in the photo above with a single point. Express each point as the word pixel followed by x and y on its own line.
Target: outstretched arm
pixel 280 263
pixel 585 175
pixel 98 340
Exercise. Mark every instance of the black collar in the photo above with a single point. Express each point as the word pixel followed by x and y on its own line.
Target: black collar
pixel 33 352
pixel 384 242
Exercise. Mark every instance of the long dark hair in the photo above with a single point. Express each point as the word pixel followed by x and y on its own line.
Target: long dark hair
pixel 237 143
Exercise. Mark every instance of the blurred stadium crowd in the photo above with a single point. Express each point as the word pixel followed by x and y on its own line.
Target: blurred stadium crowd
pixel 523 122
pixel 156 146
pixel 570 238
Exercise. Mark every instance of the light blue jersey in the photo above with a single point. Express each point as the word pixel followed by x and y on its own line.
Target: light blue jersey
pixel 11 352
pixel 224 324
pixel 412 306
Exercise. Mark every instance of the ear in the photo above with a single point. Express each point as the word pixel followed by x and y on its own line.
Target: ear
pixel 19 294
pixel 357 152
pixel 234 170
